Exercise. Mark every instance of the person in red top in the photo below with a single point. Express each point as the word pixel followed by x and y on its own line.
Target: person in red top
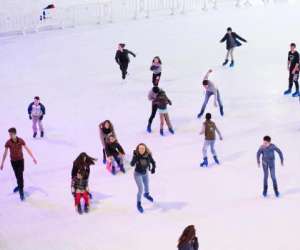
pixel 15 146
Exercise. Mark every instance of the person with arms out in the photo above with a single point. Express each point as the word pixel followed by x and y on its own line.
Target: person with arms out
pixel 232 41
pixel 188 239
pixel 267 150
pixel 211 90
pixel 122 58
pixel 15 146
pixel 36 112
pixel 209 129
pixel 293 68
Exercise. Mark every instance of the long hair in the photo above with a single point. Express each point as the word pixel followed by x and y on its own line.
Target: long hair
pixel 81 162
pixel 158 58
pixel 189 233
pixel 148 152
pixel 102 124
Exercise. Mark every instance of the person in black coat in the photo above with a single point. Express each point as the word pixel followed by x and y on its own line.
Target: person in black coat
pixel 232 41
pixel 122 58
pixel 188 239
pixel 114 151
pixel 143 162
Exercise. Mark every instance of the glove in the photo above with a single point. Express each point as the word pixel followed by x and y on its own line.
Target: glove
pixel 153 170
pixel 41 117
pixel 134 153
pixel 30 118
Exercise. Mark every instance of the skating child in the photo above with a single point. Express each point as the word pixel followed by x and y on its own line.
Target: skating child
pixel 211 90
pixel 15 146
pixel 36 112
pixel 267 150
pixel 232 41
pixel 115 152
pixel 162 102
pixel 293 68
pixel 188 239
pixel 143 162
pixel 80 190
pixel 209 129
pixel 122 58
pixel 152 96
pixel 156 69
pixel 106 129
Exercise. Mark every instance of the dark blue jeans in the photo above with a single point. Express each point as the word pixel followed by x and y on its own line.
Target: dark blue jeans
pixel 208 94
pixel 269 166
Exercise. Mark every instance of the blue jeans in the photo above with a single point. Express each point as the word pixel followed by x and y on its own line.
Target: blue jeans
pixel 269 166
pixel 208 94
pixel 142 180
pixel 211 144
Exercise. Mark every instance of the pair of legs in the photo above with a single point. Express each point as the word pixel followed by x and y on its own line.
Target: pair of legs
pixel 293 78
pixel 123 68
pixel 142 182
pixel 269 167
pixel 164 117
pixel 206 145
pixel 153 113
pixel 120 162
pixel 18 167
pixel 229 54
pixel 208 94
pixel 156 79
pixel 36 122
pixel 85 196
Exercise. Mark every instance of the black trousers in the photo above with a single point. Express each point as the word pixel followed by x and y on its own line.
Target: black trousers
pixel 18 167
pixel 156 79
pixel 123 68
pixel 153 113
pixel 293 78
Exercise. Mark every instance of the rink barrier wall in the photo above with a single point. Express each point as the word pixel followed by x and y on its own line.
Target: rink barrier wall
pixel 18 22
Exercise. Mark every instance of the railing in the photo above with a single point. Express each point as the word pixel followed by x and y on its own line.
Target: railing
pixel 104 12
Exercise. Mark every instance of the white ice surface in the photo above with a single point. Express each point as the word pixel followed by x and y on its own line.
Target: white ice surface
pixel 75 74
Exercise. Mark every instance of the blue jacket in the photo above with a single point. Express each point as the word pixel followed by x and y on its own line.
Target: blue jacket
pixel 43 109
pixel 268 153
pixel 236 39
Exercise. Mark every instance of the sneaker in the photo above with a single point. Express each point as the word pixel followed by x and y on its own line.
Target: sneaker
pixel 42 134
pixel 277 194
pixel 296 94
pixel 22 197
pixel 224 63
pixel 139 207
pixel 287 92
pixel 148 197
pixel 161 131
pixel 34 134
pixel 265 193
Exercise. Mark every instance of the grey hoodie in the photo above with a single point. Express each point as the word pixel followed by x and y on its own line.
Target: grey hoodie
pixel 268 153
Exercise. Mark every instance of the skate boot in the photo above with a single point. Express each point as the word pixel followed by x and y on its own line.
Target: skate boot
pixel 171 131
pixel 161 131
pixel 296 94
pixel 231 64
pixel 225 62
pixel 104 157
pixel 113 170
pixel 34 134
pixel 200 114
pixel 148 197
pixel 139 207
pixel 86 208
pixel 16 189
pixel 149 128
pixel 22 197
pixel 204 163
pixel 79 209
pixel 221 111
pixel 277 194
pixel 265 192
pixel 42 134
pixel 287 92
pixel 121 166
pixel 216 160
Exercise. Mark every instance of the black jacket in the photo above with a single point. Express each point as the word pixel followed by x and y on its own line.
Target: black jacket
pixel 79 184
pixel 114 149
pixel 235 37
pixel 162 100
pixel 142 163
pixel 123 56
pixel 83 169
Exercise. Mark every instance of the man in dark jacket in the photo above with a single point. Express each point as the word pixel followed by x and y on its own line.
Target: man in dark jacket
pixel 232 41
pixel 293 68
pixel 122 58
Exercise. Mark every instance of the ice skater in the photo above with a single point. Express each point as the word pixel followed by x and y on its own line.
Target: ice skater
pixel 209 130
pixel 267 150
pixel 156 69
pixel 122 58
pixel 211 89
pixel 106 129
pixel 188 239
pixel 293 68
pixel 115 153
pixel 152 96
pixel 143 162
pixel 162 101
pixel 36 112
pixel 232 41
pixel 15 146
pixel 80 189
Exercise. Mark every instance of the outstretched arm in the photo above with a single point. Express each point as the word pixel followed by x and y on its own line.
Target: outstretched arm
pixel 207 74
pixel 3 158
pixel 223 39
pixel 131 53
pixel 30 153
pixel 240 38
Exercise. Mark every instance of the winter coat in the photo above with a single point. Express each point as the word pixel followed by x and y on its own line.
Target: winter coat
pixel 84 170
pixel 36 110
pixel 268 153
pixel 114 149
pixel 79 185
pixel 142 163
pixel 122 57
pixel 193 245
pixel 105 133
pixel 235 39
pixel 156 68
pixel 162 100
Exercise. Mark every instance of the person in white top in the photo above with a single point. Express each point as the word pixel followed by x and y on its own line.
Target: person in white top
pixel 36 112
